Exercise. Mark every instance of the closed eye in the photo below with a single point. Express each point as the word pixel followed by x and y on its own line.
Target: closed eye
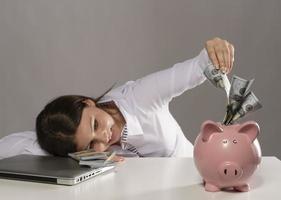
pixel 96 124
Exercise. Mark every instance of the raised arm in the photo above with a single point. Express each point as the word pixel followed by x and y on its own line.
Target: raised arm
pixel 158 89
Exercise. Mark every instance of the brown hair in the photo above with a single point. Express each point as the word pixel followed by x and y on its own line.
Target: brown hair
pixel 57 123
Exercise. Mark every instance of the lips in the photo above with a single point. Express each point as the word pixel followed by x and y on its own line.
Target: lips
pixel 109 136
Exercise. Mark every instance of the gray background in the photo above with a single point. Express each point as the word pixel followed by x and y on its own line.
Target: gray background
pixel 54 47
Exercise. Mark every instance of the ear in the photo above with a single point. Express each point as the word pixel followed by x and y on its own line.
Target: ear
pixel 251 129
pixel 89 102
pixel 208 128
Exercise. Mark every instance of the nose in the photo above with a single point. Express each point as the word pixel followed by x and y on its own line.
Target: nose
pixel 104 133
pixel 101 136
pixel 230 171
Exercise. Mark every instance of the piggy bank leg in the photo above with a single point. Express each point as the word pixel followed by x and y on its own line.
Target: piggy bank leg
pixel 211 188
pixel 242 188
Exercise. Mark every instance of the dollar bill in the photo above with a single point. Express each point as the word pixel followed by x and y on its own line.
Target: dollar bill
pixel 250 104
pixel 89 154
pixel 217 78
pixel 238 90
pixel 240 100
pixel 228 116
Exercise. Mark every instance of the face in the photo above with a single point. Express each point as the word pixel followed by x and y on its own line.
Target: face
pixel 97 129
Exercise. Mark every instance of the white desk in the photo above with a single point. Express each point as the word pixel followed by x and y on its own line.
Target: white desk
pixel 149 178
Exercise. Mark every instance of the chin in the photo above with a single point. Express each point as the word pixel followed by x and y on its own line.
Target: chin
pixel 112 142
pixel 114 139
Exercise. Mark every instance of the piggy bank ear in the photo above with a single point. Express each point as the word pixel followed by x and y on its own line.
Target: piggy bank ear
pixel 251 129
pixel 208 128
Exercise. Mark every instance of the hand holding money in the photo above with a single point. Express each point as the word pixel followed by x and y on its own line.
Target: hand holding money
pixel 217 78
pixel 221 53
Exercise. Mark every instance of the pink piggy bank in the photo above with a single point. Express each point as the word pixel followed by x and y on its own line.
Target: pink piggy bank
pixel 227 156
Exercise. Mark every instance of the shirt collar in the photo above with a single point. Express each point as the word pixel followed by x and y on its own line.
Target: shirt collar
pixel 132 122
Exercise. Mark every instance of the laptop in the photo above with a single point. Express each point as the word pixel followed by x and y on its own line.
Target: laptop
pixel 47 169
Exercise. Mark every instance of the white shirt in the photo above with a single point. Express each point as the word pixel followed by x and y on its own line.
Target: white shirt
pixel 20 143
pixel 144 103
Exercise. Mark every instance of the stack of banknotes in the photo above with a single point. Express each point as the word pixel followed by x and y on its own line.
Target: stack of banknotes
pixel 93 159
pixel 240 100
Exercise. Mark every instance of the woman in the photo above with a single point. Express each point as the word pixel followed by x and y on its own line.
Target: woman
pixel 133 118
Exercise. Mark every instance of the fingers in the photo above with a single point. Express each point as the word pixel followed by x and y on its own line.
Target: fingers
pixel 226 54
pixel 212 55
pixel 221 53
pixel 231 49
pixel 100 146
pixel 221 58
pixel 118 158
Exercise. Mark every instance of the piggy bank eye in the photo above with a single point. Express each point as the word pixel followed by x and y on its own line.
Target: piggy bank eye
pixel 224 141
pixel 235 141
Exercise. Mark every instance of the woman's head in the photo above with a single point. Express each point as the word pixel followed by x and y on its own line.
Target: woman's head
pixel 73 123
pixel 97 128
pixel 57 123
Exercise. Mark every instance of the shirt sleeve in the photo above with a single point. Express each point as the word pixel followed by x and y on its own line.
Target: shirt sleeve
pixel 158 89
pixel 20 143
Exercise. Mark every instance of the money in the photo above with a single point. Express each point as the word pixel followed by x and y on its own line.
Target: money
pixel 217 78
pixel 238 90
pixel 229 115
pixel 97 163
pixel 239 100
pixel 89 154
pixel 94 159
pixel 250 104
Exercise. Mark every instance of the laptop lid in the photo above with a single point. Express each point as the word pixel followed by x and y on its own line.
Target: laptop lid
pixel 47 169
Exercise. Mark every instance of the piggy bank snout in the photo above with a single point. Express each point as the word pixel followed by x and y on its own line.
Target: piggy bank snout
pixel 230 171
